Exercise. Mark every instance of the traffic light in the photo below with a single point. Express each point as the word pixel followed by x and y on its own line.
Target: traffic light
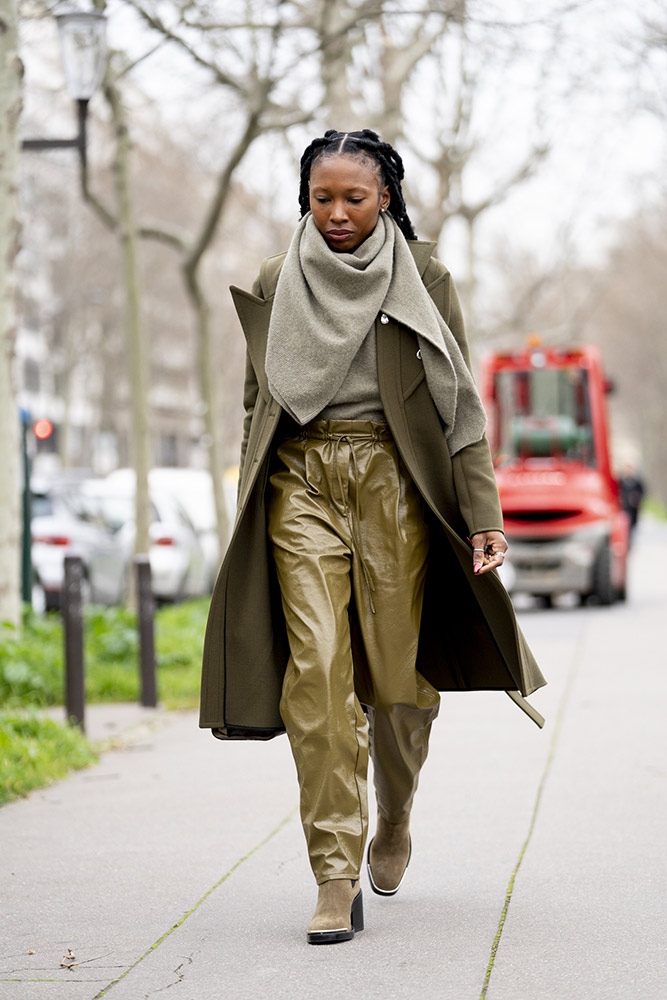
pixel 42 429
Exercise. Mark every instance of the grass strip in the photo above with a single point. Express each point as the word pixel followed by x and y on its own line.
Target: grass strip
pixel 560 715
pixel 32 668
pixel 35 751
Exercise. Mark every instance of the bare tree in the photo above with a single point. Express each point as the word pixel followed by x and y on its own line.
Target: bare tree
pixel 134 332
pixel 619 305
pixel 629 325
pixel 68 276
pixel 338 30
pixel 397 62
pixel 418 75
pixel 552 298
pixel 456 142
pixel 650 54
pixel 268 67
pixel 260 66
pixel 10 104
pixel 121 221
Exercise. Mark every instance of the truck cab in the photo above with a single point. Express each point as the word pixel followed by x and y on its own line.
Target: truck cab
pixel 549 435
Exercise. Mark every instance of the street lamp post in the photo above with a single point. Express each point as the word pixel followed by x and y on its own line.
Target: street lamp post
pixel 83 49
pixel 26 540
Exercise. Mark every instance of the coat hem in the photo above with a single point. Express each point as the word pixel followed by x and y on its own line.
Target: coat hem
pixel 245 732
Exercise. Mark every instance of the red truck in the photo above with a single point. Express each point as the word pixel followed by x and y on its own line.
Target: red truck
pixel 549 435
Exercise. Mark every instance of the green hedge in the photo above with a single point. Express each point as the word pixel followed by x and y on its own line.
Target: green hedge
pixel 31 662
pixel 34 751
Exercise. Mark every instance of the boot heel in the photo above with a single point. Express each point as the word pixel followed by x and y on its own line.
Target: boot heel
pixel 357 912
pixel 335 935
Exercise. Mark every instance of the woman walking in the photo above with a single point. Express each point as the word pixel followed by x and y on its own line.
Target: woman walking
pixel 358 582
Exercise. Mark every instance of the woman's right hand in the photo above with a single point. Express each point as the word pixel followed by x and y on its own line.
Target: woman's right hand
pixel 488 551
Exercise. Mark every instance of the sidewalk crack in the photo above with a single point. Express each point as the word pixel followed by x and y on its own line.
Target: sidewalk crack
pixel 179 972
pixel 199 902
pixel 560 715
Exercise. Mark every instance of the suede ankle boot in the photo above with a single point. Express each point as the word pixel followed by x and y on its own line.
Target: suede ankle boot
pixel 388 856
pixel 338 914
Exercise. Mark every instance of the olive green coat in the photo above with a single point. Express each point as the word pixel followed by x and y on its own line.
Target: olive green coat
pixel 469 639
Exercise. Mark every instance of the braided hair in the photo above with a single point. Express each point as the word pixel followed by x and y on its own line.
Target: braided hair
pixel 365 144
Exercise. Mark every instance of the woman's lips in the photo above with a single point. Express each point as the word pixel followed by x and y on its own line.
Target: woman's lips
pixel 339 235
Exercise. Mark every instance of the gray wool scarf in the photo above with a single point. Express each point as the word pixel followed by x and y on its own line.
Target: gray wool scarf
pixel 326 303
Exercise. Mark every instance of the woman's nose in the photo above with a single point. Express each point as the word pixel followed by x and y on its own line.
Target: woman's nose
pixel 338 211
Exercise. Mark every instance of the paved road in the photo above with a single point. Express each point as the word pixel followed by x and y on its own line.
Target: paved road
pixel 176 866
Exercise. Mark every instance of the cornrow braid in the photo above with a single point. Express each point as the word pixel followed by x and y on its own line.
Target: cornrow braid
pixel 364 144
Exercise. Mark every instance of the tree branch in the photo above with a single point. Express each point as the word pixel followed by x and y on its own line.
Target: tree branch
pixel 104 214
pixel 146 55
pixel 156 23
pixel 528 168
pixel 163 236
pixel 212 218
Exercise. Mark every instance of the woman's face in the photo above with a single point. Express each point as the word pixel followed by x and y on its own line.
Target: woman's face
pixel 346 196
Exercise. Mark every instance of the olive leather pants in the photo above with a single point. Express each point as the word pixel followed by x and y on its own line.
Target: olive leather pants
pixel 350 546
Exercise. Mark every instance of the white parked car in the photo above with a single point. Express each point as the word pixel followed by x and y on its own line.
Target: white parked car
pixel 178 566
pixel 57 532
pixel 193 488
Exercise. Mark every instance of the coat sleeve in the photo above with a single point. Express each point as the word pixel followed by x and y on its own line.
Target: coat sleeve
pixel 474 478
pixel 250 391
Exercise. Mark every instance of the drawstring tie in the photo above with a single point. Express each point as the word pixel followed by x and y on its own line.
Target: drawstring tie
pixel 354 522
pixel 375 433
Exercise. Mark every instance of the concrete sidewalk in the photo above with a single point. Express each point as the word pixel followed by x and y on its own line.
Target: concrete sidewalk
pixel 177 863
pixel 110 724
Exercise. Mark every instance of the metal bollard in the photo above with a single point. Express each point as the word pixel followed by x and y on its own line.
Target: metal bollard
pixel 145 618
pixel 75 697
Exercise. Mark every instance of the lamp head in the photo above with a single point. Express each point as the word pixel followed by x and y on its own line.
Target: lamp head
pixel 83 47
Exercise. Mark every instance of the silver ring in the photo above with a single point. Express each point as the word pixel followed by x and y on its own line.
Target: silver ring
pixel 479 550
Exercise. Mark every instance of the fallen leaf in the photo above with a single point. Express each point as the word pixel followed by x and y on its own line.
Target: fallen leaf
pixel 68 960
pixel 31 952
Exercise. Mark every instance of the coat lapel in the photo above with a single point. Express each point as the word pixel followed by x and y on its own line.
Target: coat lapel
pixel 254 314
pixel 422 251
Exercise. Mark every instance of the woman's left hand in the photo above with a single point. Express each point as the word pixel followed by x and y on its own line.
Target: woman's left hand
pixel 488 551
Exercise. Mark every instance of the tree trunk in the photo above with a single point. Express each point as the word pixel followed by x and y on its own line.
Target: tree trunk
pixel 191 270
pixel 10 106
pixel 64 431
pixel 470 286
pixel 336 46
pixel 209 397
pixel 134 337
